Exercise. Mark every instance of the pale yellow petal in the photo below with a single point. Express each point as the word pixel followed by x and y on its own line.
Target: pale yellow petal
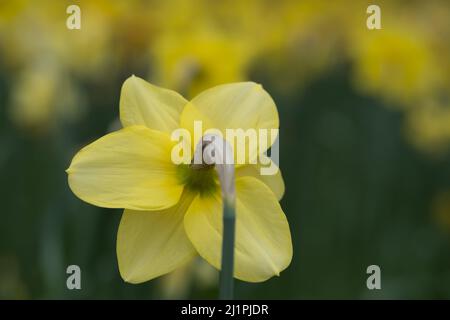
pixel 244 105
pixel 153 243
pixel 130 168
pixel 142 103
pixel 273 181
pixel 263 240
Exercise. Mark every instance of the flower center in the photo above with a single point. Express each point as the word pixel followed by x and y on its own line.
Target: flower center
pixel 198 178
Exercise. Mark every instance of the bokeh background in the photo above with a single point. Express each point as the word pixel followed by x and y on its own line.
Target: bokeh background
pixel 365 137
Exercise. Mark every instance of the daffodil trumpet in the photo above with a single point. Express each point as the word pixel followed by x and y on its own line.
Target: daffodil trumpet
pixel 174 212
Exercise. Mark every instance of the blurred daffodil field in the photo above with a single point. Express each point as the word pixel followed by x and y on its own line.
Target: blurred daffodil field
pixel 364 137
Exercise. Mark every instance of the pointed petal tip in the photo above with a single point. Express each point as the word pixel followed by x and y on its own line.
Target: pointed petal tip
pixel 129 280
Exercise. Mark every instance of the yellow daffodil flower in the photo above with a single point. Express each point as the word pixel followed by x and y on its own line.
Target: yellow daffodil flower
pixel 397 64
pixel 51 98
pixel 174 212
pixel 188 61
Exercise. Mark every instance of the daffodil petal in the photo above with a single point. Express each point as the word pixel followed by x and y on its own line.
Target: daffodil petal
pixel 274 181
pixel 242 105
pixel 263 241
pixel 142 103
pixel 153 243
pixel 130 168
pixel 238 105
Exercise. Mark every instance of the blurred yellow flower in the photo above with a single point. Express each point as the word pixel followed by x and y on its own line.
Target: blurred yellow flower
pixel 428 127
pixel 42 96
pixel 172 212
pixel 198 273
pixel 441 209
pixel 395 63
pixel 190 61
pixel 196 44
pixel 12 284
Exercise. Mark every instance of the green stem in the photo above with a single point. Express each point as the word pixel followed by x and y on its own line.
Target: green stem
pixel 226 274
pixel 224 165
